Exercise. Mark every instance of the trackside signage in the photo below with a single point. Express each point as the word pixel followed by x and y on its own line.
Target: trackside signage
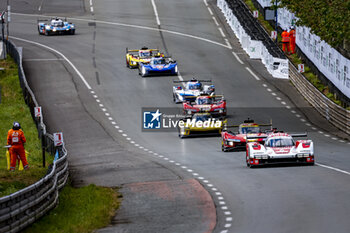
pixel 171 119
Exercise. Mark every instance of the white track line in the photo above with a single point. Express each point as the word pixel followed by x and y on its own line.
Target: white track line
pixel 210 11
pixel 215 21
pixel 91 9
pixel 59 53
pixel 222 32
pixel 333 168
pixel 237 58
pixel 205 2
pixel 155 12
pixel 137 26
pixel 252 73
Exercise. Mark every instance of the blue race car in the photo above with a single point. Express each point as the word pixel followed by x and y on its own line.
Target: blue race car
pixel 55 26
pixel 158 65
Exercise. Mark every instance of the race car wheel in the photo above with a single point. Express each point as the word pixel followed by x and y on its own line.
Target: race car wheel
pixel 39 31
pixel 72 32
pixel 47 33
pixel 223 148
pixel 176 100
pixel 127 63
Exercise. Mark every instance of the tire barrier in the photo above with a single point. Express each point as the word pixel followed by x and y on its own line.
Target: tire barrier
pixel 24 207
pixel 253 37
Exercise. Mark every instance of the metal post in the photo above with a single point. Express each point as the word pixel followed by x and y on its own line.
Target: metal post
pixel 3 33
pixel 42 144
pixel 8 18
pixel 276 20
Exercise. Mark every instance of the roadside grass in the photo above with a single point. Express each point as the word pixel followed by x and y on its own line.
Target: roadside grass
pixel 80 210
pixel 297 60
pixel 13 108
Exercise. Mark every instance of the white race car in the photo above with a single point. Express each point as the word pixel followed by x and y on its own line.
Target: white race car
pixel 191 90
pixel 280 148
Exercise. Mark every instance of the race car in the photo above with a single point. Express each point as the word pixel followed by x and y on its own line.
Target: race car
pixel 55 26
pixel 200 124
pixel 280 147
pixel 134 56
pixel 237 141
pixel 213 104
pixel 191 90
pixel 158 65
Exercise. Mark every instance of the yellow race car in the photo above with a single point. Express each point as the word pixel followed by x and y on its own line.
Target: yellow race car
pixel 200 124
pixel 144 55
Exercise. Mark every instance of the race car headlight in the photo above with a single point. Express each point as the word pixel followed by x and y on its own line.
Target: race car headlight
pixel 230 143
pixel 54 29
pixel 47 27
pixel 133 62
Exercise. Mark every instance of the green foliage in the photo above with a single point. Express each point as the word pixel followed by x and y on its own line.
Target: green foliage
pixel 13 107
pixel 80 210
pixel 329 19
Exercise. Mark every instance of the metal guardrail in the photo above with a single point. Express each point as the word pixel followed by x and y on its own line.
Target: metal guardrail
pixel 338 116
pixel 22 208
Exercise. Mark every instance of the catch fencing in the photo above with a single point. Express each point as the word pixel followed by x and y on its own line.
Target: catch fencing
pixel 24 207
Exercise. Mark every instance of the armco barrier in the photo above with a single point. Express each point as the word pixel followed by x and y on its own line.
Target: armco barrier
pixel 22 208
pixel 335 114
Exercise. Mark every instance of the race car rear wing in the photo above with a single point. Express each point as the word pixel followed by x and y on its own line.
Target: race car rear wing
pixel 269 124
pixel 265 136
pixel 192 80
pixel 47 20
pixel 136 50
pixel 298 135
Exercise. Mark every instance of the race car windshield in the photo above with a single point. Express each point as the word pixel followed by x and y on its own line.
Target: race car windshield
pixel 250 130
pixel 57 23
pixel 280 142
pixel 202 117
pixel 145 53
pixel 196 86
pixel 159 62
pixel 204 101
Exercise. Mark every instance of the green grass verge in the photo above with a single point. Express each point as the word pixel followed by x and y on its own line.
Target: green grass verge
pixel 13 108
pixel 297 60
pixel 80 210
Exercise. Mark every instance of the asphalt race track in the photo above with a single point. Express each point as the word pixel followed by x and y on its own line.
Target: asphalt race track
pixel 104 135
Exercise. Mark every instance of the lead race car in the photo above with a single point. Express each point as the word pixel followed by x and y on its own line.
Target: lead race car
pixel 191 90
pixel 280 147
pixel 213 104
pixel 55 26
pixel 232 141
pixel 158 65
pixel 135 56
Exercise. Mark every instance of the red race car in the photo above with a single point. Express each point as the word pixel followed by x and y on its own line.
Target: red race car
pixel 213 104
pixel 237 141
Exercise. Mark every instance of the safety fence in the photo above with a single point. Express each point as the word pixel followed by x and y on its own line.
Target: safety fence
pixel 338 116
pixel 335 114
pixel 253 37
pixel 22 208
